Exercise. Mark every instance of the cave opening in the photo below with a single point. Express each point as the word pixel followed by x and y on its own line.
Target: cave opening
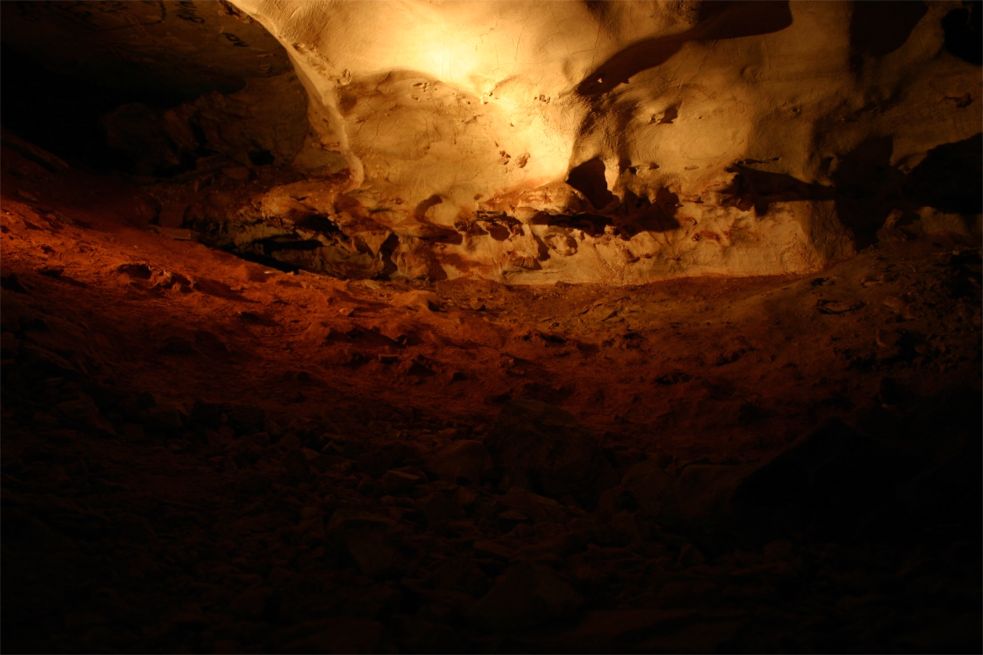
pixel 486 327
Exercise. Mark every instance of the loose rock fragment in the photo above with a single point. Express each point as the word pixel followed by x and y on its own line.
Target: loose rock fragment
pixel 526 595
pixel 461 460
pixel 543 448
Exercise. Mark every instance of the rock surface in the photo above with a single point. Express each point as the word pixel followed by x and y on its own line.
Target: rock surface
pixel 222 451
pixel 206 454
pixel 617 143
pixel 633 141
pixel 544 449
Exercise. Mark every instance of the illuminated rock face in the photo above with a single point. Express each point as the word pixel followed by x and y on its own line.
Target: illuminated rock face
pixel 621 142
pixel 527 142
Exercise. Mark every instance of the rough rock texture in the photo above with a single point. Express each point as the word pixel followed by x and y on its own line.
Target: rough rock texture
pixel 203 454
pixel 82 76
pixel 616 142
pixel 209 451
pixel 544 449
pixel 622 142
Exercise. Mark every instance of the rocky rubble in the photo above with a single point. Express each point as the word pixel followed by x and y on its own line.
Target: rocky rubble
pixel 206 454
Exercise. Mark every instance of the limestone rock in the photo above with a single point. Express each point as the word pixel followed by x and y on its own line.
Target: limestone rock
pixel 619 143
pixel 754 168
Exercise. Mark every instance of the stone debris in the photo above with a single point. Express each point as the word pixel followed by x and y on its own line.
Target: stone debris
pixel 203 455
pixel 466 460
pixel 526 595
pixel 543 448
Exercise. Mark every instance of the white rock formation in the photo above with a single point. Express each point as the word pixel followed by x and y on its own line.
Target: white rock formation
pixel 701 139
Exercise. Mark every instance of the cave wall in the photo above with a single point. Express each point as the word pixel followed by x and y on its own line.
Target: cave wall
pixel 147 86
pixel 616 142
pixel 737 138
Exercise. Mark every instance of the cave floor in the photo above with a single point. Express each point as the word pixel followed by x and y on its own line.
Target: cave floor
pixel 201 453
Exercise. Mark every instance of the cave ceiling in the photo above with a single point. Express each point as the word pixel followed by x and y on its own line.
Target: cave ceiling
pixel 616 142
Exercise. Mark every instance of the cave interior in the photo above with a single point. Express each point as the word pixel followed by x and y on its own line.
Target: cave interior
pixel 631 326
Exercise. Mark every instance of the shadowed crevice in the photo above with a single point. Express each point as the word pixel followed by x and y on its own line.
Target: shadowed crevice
pixel 719 20
pixel 962 33
pixel 880 28
pixel 588 178
pixel 632 216
pixel 949 177
pixel 753 188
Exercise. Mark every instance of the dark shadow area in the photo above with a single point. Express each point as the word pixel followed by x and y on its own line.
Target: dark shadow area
pixel 499 226
pixel 639 214
pixel 135 140
pixel 949 178
pixel 261 157
pixel 717 20
pixel 632 215
pixel 817 482
pixel 66 65
pixel 871 480
pixel 264 260
pixel 962 32
pixel 879 28
pixel 753 188
pixel 318 223
pixel 588 179
pixel 58 111
pixel 867 188
pixel 592 224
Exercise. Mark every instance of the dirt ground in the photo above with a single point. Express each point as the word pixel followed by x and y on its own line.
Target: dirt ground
pixel 203 454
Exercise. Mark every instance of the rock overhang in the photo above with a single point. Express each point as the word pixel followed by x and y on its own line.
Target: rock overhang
pixel 479 111
pixel 617 143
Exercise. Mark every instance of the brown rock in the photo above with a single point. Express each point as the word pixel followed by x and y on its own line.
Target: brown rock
pixel 337 635
pixel 251 602
pixel 647 483
pixel 442 506
pixel 459 574
pixel 650 630
pixel 368 539
pixel 399 481
pixel 524 596
pixel 538 508
pixel 10 344
pixel 462 460
pixel 82 410
pixel 544 449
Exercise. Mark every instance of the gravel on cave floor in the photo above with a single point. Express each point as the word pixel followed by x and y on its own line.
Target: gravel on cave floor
pixel 203 454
